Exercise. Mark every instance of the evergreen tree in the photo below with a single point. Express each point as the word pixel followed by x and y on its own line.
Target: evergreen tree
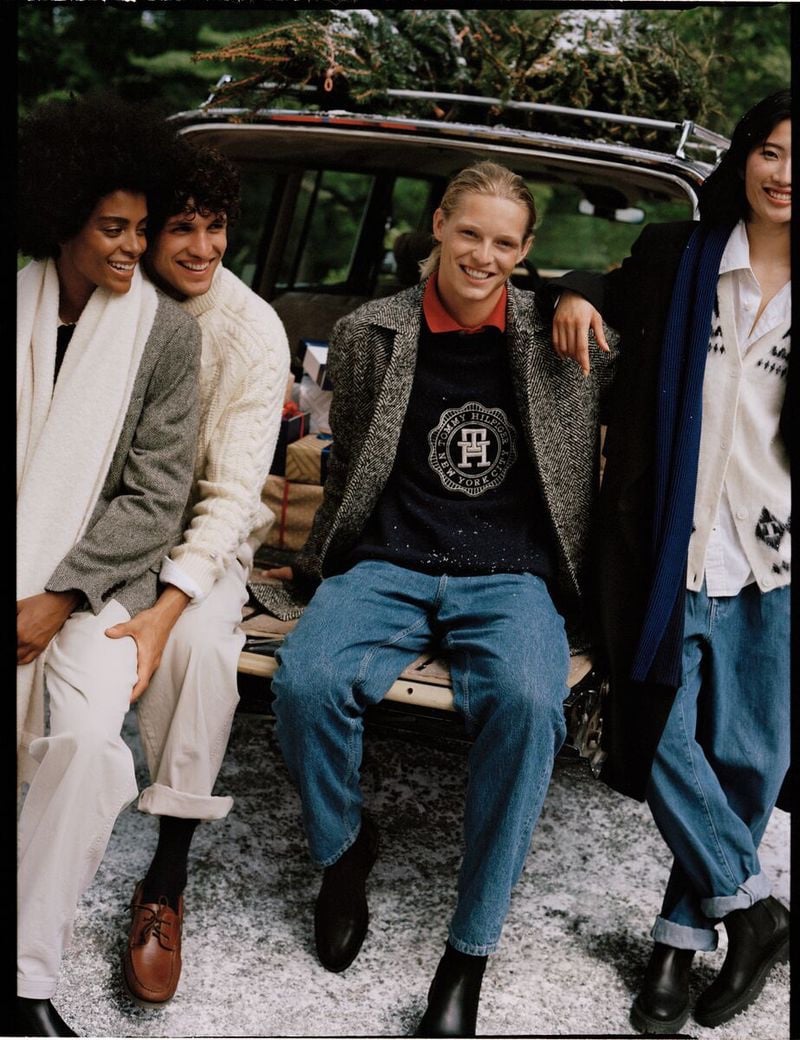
pixel 608 60
pixel 702 61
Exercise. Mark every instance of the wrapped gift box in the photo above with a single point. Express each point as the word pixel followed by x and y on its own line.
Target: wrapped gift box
pixel 294 506
pixel 295 423
pixel 313 354
pixel 317 402
pixel 307 459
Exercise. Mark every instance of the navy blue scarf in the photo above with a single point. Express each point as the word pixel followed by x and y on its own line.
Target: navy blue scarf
pixel 678 417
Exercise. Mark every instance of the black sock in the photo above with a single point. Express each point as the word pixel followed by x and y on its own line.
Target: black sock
pixel 167 874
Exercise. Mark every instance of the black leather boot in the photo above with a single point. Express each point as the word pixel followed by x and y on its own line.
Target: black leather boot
pixel 662 1005
pixel 453 996
pixel 341 914
pixel 39 1018
pixel 758 939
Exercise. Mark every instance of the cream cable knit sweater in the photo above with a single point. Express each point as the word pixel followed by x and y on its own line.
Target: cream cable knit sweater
pixel 244 370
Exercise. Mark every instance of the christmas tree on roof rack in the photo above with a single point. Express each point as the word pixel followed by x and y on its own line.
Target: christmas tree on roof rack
pixel 361 60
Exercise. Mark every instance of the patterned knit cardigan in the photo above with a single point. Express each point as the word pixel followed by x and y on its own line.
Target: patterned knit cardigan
pixel 371 360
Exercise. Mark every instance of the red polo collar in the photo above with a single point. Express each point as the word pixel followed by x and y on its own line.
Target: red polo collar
pixel 439 320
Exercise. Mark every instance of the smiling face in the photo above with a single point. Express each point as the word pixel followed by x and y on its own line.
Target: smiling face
pixel 768 178
pixel 482 241
pixel 107 248
pixel 187 252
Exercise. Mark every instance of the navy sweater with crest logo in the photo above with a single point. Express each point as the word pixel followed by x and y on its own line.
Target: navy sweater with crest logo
pixel 463 495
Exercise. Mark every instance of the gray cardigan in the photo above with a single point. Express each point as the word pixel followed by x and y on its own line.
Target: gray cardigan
pixel 138 514
pixel 371 361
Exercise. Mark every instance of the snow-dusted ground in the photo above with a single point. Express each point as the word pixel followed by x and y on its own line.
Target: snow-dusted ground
pixel 573 950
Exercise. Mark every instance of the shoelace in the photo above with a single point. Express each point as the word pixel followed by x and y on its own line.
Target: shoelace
pixel 155 922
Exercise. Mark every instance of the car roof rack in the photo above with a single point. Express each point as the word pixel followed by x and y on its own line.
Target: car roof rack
pixel 690 135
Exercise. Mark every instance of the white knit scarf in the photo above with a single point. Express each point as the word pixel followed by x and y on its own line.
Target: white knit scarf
pixel 66 438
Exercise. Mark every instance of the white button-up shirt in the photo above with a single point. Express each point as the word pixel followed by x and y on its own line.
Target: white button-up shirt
pixel 727 569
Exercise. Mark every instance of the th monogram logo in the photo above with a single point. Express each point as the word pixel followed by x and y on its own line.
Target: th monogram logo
pixel 472 448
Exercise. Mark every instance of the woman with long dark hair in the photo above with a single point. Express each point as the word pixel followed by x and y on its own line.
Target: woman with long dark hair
pixel 693 557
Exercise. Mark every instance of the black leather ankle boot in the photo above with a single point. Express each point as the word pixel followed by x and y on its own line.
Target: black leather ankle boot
pixel 662 1005
pixel 758 939
pixel 453 996
pixel 39 1018
pixel 341 914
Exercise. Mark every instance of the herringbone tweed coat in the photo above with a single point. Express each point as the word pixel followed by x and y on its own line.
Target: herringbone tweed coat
pixel 371 360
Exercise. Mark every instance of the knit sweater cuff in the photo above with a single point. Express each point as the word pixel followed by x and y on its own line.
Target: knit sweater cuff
pixel 201 569
pixel 173 574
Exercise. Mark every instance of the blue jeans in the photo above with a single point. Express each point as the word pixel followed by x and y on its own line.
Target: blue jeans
pixel 509 662
pixel 721 760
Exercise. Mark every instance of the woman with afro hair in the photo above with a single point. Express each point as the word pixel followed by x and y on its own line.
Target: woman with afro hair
pixel 107 373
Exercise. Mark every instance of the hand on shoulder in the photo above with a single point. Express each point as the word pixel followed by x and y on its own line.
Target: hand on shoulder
pixel 574 317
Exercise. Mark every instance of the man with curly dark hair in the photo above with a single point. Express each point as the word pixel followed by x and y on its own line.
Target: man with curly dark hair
pixel 107 370
pixel 190 639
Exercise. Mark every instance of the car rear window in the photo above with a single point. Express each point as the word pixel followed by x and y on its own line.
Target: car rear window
pixel 567 237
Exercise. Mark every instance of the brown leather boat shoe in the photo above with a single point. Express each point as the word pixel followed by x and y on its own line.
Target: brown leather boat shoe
pixel 151 964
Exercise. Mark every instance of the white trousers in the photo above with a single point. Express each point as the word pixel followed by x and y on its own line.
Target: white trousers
pixel 86 776
pixel 84 779
pixel 185 714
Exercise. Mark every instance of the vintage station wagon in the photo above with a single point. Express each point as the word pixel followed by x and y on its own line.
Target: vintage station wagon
pixel 337 208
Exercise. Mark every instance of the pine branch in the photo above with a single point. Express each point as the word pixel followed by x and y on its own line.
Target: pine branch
pixel 573 57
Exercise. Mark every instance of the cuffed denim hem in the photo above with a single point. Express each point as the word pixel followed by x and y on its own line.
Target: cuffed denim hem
pixel 471 948
pixel 36 989
pixel 756 887
pixel 683 936
pixel 159 800
pixel 330 860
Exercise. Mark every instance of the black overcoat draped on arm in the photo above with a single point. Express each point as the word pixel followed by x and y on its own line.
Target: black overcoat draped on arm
pixel 634 299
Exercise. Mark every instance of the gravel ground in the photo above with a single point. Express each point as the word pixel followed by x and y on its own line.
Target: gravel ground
pixel 573 949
